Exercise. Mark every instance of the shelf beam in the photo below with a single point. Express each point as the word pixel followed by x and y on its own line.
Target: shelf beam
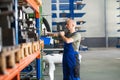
pixel 14 72
pixel 35 4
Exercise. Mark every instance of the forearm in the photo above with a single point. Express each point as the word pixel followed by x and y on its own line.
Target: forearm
pixel 67 40
pixel 53 34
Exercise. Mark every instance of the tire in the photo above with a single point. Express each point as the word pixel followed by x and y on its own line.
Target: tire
pixel 46 24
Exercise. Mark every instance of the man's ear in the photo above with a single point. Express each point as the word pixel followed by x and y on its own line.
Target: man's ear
pixel 73 25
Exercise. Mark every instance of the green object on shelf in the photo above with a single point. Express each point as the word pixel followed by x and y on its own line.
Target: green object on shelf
pixel 31 15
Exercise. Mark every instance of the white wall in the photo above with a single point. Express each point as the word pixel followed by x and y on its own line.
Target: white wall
pixel 112 18
pixel 46 11
pixel 95 24
pixel 94 18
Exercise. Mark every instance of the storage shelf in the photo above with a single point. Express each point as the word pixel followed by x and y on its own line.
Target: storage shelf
pixel 12 73
pixel 81 30
pixel 33 4
pixel 6 13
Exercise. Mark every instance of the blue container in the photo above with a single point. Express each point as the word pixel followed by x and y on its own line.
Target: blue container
pixel 45 39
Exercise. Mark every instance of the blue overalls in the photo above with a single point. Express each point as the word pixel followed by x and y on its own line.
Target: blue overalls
pixel 71 65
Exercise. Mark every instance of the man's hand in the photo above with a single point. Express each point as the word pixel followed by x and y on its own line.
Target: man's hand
pixel 67 40
pixel 62 33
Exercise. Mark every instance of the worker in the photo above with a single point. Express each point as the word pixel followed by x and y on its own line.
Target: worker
pixel 72 39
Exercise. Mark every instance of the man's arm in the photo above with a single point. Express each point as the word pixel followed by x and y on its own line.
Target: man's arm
pixel 67 40
pixel 53 34
pixel 62 34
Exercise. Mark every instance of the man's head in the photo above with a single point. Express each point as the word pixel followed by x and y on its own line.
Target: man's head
pixel 70 24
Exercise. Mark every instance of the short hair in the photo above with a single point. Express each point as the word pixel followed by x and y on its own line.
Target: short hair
pixel 69 19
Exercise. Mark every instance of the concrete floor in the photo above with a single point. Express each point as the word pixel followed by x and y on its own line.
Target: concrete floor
pixel 97 64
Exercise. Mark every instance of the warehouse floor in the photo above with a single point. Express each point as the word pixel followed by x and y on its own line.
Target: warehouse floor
pixel 97 64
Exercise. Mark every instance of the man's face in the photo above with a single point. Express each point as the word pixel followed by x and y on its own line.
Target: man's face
pixel 69 25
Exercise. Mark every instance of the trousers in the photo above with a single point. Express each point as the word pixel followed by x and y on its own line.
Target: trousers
pixel 71 63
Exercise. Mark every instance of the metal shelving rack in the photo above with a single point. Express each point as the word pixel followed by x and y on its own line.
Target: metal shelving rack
pixel 118 16
pixel 14 73
pixel 63 9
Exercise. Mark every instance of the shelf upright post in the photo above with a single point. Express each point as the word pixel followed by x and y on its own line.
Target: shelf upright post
pixel 71 8
pixel 38 68
pixel 38 24
pixel 38 60
pixel 16 21
pixel 16 30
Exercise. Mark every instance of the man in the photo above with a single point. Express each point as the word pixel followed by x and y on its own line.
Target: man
pixel 71 38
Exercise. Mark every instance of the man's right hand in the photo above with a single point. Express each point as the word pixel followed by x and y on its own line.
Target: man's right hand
pixel 62 33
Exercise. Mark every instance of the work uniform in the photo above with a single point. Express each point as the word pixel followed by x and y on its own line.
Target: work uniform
pixel 71 65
